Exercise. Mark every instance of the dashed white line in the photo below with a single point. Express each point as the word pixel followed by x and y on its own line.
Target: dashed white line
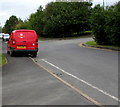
pixel 100 90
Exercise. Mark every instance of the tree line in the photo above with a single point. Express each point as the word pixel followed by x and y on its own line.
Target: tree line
pixel 65 19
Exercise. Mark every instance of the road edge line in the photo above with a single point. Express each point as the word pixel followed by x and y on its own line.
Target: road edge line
pixel 95 47
pixel 83 81
pixel 69 85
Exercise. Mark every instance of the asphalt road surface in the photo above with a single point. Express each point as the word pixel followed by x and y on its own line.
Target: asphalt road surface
pixel 62 74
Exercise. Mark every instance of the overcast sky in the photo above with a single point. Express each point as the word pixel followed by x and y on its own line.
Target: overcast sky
pixel 23 8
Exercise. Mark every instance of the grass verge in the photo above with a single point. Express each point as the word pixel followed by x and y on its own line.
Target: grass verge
pixel 3 60
pixel 93 43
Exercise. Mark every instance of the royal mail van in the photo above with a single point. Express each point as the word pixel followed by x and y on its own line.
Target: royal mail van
pixel 23 41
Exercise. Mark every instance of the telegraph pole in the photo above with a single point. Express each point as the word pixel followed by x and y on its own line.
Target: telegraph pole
pixel 103 4
pixel 0 28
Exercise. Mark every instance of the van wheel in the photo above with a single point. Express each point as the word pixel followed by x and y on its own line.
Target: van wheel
pixel 11 53
pixel 8 52
pixel 34 54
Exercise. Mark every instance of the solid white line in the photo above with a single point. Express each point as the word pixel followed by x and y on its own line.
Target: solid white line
pixel 100 90
pixel 71 86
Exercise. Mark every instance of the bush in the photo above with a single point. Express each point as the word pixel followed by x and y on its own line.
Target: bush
pixel 105 25
pixel 65 19
pixel 98 25
pixel 61 19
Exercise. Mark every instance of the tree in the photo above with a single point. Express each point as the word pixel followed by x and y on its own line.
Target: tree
pixel 105 24
pixel 112 28
pixel 73 0
pixel 66 18
pixel 0 29
pixel 98 25
pixel 36 21
pixel 60 19
pixel 10 24
pixel 22 24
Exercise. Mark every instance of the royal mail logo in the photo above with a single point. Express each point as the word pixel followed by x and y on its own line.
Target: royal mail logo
pixel 21 36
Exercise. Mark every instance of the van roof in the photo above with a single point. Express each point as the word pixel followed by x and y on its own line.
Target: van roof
pixel 23 30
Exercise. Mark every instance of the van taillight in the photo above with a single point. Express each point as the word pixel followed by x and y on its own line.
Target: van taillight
pixel 33 44
pixel 13 42
pixel 37 42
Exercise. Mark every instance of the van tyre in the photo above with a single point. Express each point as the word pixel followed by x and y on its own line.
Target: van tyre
pixel 8 52
pixel 34 54
pixel 11 53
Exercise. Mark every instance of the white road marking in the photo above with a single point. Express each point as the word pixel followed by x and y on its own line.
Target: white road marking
pixel 71 86
pixel 100 90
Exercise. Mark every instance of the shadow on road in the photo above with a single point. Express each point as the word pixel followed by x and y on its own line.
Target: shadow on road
pixel 22 55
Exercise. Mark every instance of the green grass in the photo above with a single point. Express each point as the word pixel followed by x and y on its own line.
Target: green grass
pixel 89 31
pixel 3 60
pixel 93 43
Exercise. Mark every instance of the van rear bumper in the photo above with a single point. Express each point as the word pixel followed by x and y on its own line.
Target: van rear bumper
pixel 26 51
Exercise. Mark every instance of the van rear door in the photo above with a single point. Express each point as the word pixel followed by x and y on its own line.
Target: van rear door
pixel 31 40
pixel 25 39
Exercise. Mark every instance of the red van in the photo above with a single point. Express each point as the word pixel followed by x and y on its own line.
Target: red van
pixel 23 41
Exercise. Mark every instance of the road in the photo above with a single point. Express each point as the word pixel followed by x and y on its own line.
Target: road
pixel 62 74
